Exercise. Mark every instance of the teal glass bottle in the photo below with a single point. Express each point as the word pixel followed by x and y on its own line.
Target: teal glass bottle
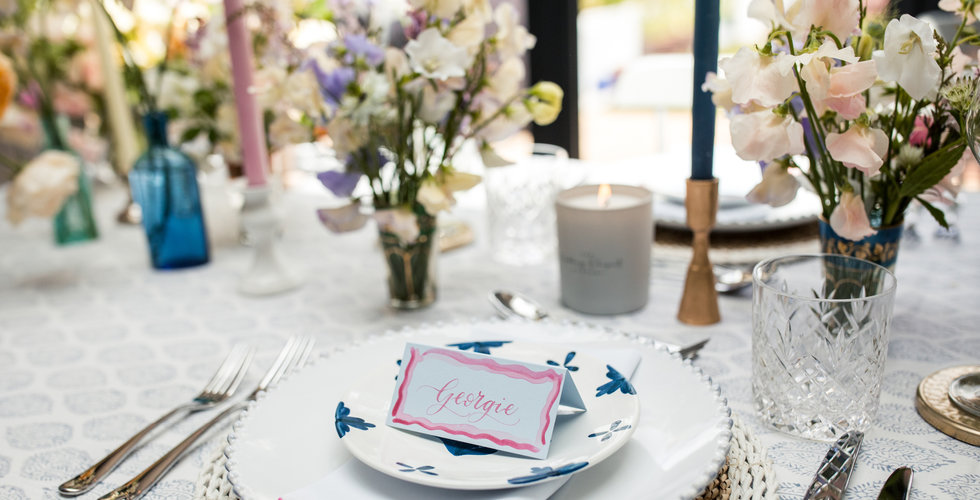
pixel 74 222
pixel 164 184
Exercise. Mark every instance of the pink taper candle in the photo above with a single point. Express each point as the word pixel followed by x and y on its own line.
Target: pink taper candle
pixel 254 154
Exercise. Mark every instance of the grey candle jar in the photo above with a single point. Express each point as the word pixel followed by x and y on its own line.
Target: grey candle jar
pixel 604 252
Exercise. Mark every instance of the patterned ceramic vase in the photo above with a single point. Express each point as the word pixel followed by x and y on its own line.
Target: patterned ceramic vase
pixel 880 248
pixel 164 184
pixel 74 223
pixel 411 257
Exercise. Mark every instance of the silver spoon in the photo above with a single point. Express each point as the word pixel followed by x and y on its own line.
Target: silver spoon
pixel 965 393
pixel 730 279
pixel 514 305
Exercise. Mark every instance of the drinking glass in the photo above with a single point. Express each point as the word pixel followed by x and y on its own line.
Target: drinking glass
pixel 521 205
pixel 973 121
pixel 819 340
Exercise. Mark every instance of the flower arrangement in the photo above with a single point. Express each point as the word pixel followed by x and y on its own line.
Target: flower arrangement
pixel 34 76
pixel 869 111
pixel 402 98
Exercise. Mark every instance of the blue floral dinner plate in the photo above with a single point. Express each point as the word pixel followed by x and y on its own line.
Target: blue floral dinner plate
pixel 579 440
pixel 289 439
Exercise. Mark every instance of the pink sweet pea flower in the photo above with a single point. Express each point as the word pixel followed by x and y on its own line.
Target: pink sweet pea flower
pixel 847 83
pixel 860 147
pixel 849 219
pixel 920 132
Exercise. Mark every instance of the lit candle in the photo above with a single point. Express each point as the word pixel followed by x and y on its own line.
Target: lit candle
pixel 604 240
pixel 254 156
pixel 706 18
pixel 121 124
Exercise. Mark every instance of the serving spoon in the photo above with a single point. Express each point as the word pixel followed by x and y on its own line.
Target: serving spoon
pixel 514 305
pixel 965 393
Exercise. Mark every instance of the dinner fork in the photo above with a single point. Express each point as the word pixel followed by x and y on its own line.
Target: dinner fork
pixel 293 355
pixel 222 385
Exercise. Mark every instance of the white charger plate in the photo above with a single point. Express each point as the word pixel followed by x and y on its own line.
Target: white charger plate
pixel 287 439
pixel 579 441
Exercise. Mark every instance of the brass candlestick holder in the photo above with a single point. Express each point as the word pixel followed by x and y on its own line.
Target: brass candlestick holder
pixel 699 304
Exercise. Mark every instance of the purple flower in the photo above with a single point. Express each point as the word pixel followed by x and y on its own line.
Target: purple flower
pixel 359 46
pixel 334 84
pixel 416 23
pixel 339 183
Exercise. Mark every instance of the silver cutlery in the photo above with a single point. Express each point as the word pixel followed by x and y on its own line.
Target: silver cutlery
pixel 831 478
pixel 964 392
pixel 222 385
pixel 731 279
pixel 898 485
pixel 294 354
pixel 514 305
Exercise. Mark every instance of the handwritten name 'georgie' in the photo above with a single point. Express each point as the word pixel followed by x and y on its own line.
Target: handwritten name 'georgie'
pixel 474 407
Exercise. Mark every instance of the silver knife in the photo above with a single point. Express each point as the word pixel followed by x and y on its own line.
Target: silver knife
pixel 898 485
pixel 831 478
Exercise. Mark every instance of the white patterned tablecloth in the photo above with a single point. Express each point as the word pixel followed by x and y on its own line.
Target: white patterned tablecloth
pixel 94 344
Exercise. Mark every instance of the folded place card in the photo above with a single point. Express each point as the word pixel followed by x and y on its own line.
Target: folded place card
pixel 479 399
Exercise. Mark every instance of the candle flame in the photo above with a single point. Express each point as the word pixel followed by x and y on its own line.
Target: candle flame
pixel 602 197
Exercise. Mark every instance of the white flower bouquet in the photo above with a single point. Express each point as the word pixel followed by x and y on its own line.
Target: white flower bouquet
pixel 869 111
pixel 404 92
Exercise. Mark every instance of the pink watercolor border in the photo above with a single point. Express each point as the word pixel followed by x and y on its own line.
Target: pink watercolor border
pixel 487 364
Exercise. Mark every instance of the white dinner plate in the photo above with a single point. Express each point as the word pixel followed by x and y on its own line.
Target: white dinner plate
pixel 288 438
pixel 749 217
pixel 579 441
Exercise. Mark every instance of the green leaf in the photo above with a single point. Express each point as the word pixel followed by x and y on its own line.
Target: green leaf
pixel 934 212
pixel 932 170
pixel 190 134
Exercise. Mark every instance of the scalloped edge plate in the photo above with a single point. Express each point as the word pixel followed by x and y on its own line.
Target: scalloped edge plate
pixel 385 448
pixel 285 441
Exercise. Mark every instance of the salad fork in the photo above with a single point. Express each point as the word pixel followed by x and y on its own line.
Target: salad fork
pixel 293 355
pixel 222 385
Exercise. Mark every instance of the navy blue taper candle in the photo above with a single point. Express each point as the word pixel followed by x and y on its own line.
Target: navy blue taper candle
pixel 706 20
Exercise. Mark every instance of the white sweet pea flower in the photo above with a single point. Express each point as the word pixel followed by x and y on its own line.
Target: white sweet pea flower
pixel 513 38
pixel 509 120
pixel 959 7
pixel 860 147
pixel 508 79
pixel 850 219
pixel 432 197
pixel 721 90
pixel 398 221
pixel 764 136
pixel 436 104
pixel 909 57
pixel 42 187
pixel 840 17
pixel 433 56
pixel 436 193
pixel 396 63
pixel 778 187
pixel 469 32
pixel 764 80
pixel 440 8
pixel 285 132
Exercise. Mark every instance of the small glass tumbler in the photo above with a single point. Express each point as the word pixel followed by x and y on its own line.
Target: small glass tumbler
pixel 521 206
pixel 819 340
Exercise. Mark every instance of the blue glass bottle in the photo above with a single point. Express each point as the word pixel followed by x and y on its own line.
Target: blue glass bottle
pixel 74 222
pixel 164 184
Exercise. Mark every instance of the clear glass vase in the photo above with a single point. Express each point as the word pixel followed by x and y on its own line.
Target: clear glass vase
pixel 74 222
pixel 411 263
pixel 164 184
